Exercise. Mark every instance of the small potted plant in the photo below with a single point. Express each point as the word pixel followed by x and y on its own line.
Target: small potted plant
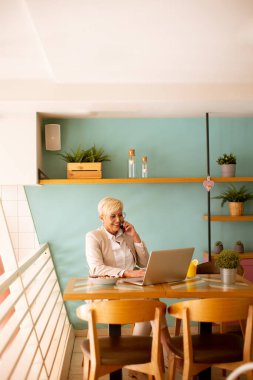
pixel 228 262
pixel 228 164
pixel 235 198
pixel 239 247
pixel 218 247
pixel 85 163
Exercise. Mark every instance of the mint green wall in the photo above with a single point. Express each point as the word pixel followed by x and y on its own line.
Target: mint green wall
pixel 166 142
pixel 165 215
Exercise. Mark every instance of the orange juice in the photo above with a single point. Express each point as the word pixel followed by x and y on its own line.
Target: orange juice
pixel 192 270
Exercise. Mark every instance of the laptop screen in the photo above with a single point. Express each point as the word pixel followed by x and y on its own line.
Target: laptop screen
pixel 168 265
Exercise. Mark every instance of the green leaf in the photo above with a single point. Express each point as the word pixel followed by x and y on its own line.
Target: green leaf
pixel 80 155
pixel 228 259
pixel 226 159
pixel 232 194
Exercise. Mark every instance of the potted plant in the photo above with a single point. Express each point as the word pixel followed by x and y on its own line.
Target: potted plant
pixel 228 164
pixel 228 262
pixel 218 247
pixel 235 198
pixel 85 163
pixel 239 247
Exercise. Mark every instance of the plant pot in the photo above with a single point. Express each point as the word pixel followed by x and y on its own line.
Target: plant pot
pixel 228 275
pixel 218 249
pixel 239 248
pixel 236 208
pixel 228 170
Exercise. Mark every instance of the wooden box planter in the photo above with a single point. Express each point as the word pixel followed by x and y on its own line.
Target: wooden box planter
pixel 84 170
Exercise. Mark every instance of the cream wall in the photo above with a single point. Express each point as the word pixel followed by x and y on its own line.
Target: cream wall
pixel 18 153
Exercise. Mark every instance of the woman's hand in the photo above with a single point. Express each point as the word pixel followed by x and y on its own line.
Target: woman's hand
pixel 130 230
pixel 134 273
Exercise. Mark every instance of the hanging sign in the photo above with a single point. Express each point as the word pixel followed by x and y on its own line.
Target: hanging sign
pixel 208 184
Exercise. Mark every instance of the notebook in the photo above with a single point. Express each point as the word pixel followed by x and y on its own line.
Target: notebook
pixel 169 265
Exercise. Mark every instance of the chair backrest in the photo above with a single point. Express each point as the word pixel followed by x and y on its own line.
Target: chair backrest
pixel 212 309
pixel 240 270
pixel 207 268
pixel 210 268
pixel 121 311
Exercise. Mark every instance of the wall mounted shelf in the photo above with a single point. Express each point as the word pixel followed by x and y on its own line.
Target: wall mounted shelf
pixel 228 218
pixel 243 256
pixel 119 180
pixel 232 179
pixel 66 181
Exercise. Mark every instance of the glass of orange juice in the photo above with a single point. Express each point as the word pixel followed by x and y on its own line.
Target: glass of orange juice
pixel 192 270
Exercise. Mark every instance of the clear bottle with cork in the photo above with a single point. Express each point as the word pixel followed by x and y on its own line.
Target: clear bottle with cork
pixel 144 167
pixel 131 163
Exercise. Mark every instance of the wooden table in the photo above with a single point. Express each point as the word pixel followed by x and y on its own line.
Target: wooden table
pixel 203 286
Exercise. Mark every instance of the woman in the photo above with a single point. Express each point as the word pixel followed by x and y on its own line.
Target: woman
pixel 116 249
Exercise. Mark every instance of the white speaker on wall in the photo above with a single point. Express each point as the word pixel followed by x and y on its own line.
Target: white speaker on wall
pixel 53 136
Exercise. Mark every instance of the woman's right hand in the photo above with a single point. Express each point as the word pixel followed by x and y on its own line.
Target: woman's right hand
pixel 134 273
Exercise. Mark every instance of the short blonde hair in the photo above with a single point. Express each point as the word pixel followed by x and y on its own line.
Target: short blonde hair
pixel 109 204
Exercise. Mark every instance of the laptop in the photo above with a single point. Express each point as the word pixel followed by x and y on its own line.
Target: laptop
pixel 169 265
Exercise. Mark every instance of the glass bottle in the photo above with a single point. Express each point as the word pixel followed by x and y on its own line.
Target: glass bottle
pixel 144 167
pixel 131 163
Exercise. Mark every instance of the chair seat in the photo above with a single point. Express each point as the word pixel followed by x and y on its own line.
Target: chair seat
pixel 230 348
pixel 125 349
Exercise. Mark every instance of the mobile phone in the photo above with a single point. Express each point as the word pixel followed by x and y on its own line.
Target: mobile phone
pixel 122 227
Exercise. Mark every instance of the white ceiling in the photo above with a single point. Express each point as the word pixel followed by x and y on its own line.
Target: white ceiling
pixel 135 56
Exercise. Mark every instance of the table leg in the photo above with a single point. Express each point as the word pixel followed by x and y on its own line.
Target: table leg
pixel 205 375
pixel 115 330
pixel 205 329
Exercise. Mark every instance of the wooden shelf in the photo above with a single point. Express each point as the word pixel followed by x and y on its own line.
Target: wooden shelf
pixel 232 179
pixel 243 256
pixel 120 180
pixel 140 180
pixel 228 218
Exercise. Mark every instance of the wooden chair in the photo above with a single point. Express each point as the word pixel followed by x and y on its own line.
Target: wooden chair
pixel 207 268
pixel 103 355
pixel 210 268
pixel 198 352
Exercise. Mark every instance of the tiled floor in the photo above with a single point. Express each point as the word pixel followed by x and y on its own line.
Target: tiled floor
pixel 76 367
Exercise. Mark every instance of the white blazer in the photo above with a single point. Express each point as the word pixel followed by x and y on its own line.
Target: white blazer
pixel 100 256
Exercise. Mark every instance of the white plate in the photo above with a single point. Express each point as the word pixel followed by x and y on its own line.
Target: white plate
pixel 103 280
